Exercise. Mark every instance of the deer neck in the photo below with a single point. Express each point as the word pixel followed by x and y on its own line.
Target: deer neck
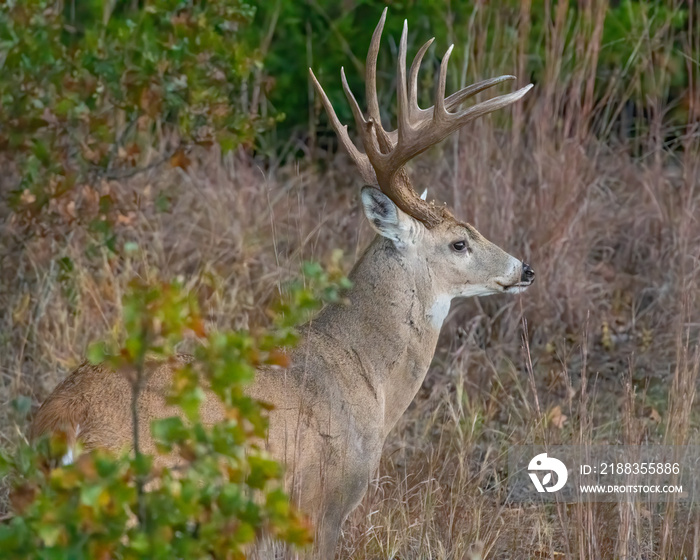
pixel 391 321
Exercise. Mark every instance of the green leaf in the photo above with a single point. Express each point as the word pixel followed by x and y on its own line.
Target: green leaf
pixel 89 494
pixel 169 430
pixel 96 353
pixel 262 471
pixel 49 534
pixel 143 463
pixel 21 405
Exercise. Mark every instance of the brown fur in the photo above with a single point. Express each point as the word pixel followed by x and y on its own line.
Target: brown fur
pixel 355 373
pixel 359 365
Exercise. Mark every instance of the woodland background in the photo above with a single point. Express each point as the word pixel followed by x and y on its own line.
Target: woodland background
pixel 183 139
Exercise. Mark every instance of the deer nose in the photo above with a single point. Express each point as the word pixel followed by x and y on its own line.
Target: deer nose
pixel 527 275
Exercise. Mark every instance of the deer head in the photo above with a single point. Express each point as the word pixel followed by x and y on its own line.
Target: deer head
pixel 463 261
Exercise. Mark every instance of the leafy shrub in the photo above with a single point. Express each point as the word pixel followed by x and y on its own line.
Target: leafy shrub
pixel 224 495
pixel 113 87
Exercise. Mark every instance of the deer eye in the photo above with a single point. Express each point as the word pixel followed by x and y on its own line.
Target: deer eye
pixel 460 246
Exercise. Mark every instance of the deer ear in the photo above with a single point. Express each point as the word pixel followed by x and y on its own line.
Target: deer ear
pixel 385 217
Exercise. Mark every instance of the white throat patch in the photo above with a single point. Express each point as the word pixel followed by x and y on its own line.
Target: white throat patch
pixel 439 310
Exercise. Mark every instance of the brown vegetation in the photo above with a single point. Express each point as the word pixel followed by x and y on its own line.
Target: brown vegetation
pixel 601 349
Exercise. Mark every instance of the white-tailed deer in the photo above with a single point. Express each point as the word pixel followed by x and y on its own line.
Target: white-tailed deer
pixel 359 364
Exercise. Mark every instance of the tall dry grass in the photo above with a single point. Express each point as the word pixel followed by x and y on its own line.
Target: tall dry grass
pixel 603 348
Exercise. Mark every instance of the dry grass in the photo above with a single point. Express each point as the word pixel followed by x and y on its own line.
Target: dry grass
pixel 607 336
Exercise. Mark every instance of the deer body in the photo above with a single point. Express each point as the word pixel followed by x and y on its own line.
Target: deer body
pixel 360 363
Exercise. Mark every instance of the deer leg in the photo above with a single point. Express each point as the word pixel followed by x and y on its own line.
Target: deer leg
pixel 327 532
pixel 336 507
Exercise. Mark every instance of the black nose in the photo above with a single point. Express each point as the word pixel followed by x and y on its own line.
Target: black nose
pixel 528 275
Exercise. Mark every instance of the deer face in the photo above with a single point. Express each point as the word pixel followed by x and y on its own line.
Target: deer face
pixel 460 261
pixel 470 265
pixel 457 261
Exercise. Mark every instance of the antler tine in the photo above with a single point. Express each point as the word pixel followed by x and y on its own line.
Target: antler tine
pixel 439 111
pixel 403 109
pixel 360 120
pixel 486 107
pixel 365 126
pixel 371 71
pixel 457 98
pixel 360 159
pixel 413 80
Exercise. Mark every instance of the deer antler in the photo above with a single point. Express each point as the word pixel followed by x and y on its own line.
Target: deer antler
pixel 386 153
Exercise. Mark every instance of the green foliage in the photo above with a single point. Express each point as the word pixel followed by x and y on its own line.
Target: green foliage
pixel 89 94
pixel 636 42
pixel 224 493
pixel 642 39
